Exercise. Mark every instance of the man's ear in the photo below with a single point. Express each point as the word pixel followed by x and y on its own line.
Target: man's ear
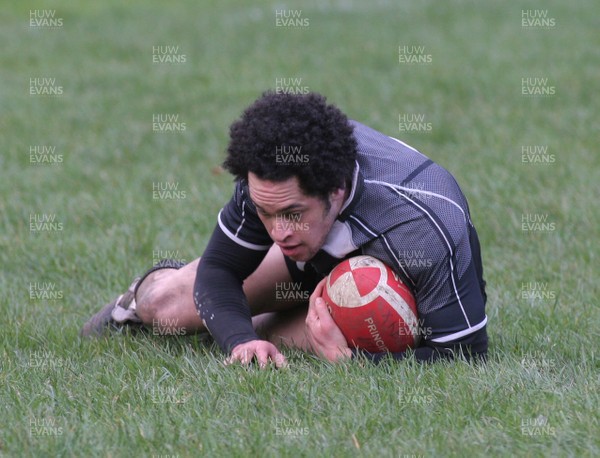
pixel 337 194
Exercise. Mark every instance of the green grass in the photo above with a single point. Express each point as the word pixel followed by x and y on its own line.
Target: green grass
pixel 147 395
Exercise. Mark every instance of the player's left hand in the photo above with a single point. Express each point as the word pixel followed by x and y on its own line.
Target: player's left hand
pixel 323 334
pixel 260 351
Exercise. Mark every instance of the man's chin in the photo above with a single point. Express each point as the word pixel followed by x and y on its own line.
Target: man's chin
pixel 298 257
pixel 304 256
pixel 297 254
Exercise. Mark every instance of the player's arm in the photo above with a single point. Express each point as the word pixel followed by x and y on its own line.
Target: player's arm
pixel 456 328
pixel 473 346
pixel 328 342
pixel 455 324
pixel 238 245
pixel 218 293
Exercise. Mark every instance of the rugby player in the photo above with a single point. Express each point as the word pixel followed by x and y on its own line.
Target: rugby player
pixel 313 188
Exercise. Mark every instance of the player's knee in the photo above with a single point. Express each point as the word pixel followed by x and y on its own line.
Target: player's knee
pixel 150 301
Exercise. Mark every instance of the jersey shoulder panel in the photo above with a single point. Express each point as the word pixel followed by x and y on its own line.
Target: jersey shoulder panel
pixel 240 222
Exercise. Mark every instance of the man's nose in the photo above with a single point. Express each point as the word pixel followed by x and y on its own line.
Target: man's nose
pixel 281 230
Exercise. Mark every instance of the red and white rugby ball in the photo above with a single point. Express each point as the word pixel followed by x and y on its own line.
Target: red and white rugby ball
pixel 372 307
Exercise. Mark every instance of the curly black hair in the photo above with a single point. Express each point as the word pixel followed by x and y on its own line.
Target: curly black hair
pixel 281 136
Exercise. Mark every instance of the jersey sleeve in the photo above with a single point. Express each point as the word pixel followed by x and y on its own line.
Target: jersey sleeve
pixel 238 245
pixel 471 348
pixel 450 301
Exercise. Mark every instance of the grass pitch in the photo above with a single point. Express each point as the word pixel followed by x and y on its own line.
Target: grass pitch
pixel 503 95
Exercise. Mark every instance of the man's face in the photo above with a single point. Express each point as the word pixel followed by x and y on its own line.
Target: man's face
pixel 297 223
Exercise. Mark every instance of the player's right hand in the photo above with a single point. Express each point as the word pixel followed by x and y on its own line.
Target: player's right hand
pixel 325 337
pixel 261 350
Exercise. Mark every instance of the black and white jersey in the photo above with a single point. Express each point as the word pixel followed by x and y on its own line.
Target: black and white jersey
pixel 403 209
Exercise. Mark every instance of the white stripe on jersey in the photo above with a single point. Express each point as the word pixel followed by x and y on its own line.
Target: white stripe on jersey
pixel 238 240
pixel 388 245
pixel 243 218
pixel 464 332
pixel 428 193
pixel 397 260
pixel 416 191
pixel 408 146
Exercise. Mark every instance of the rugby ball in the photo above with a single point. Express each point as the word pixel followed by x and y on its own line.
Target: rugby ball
pixel 372 307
